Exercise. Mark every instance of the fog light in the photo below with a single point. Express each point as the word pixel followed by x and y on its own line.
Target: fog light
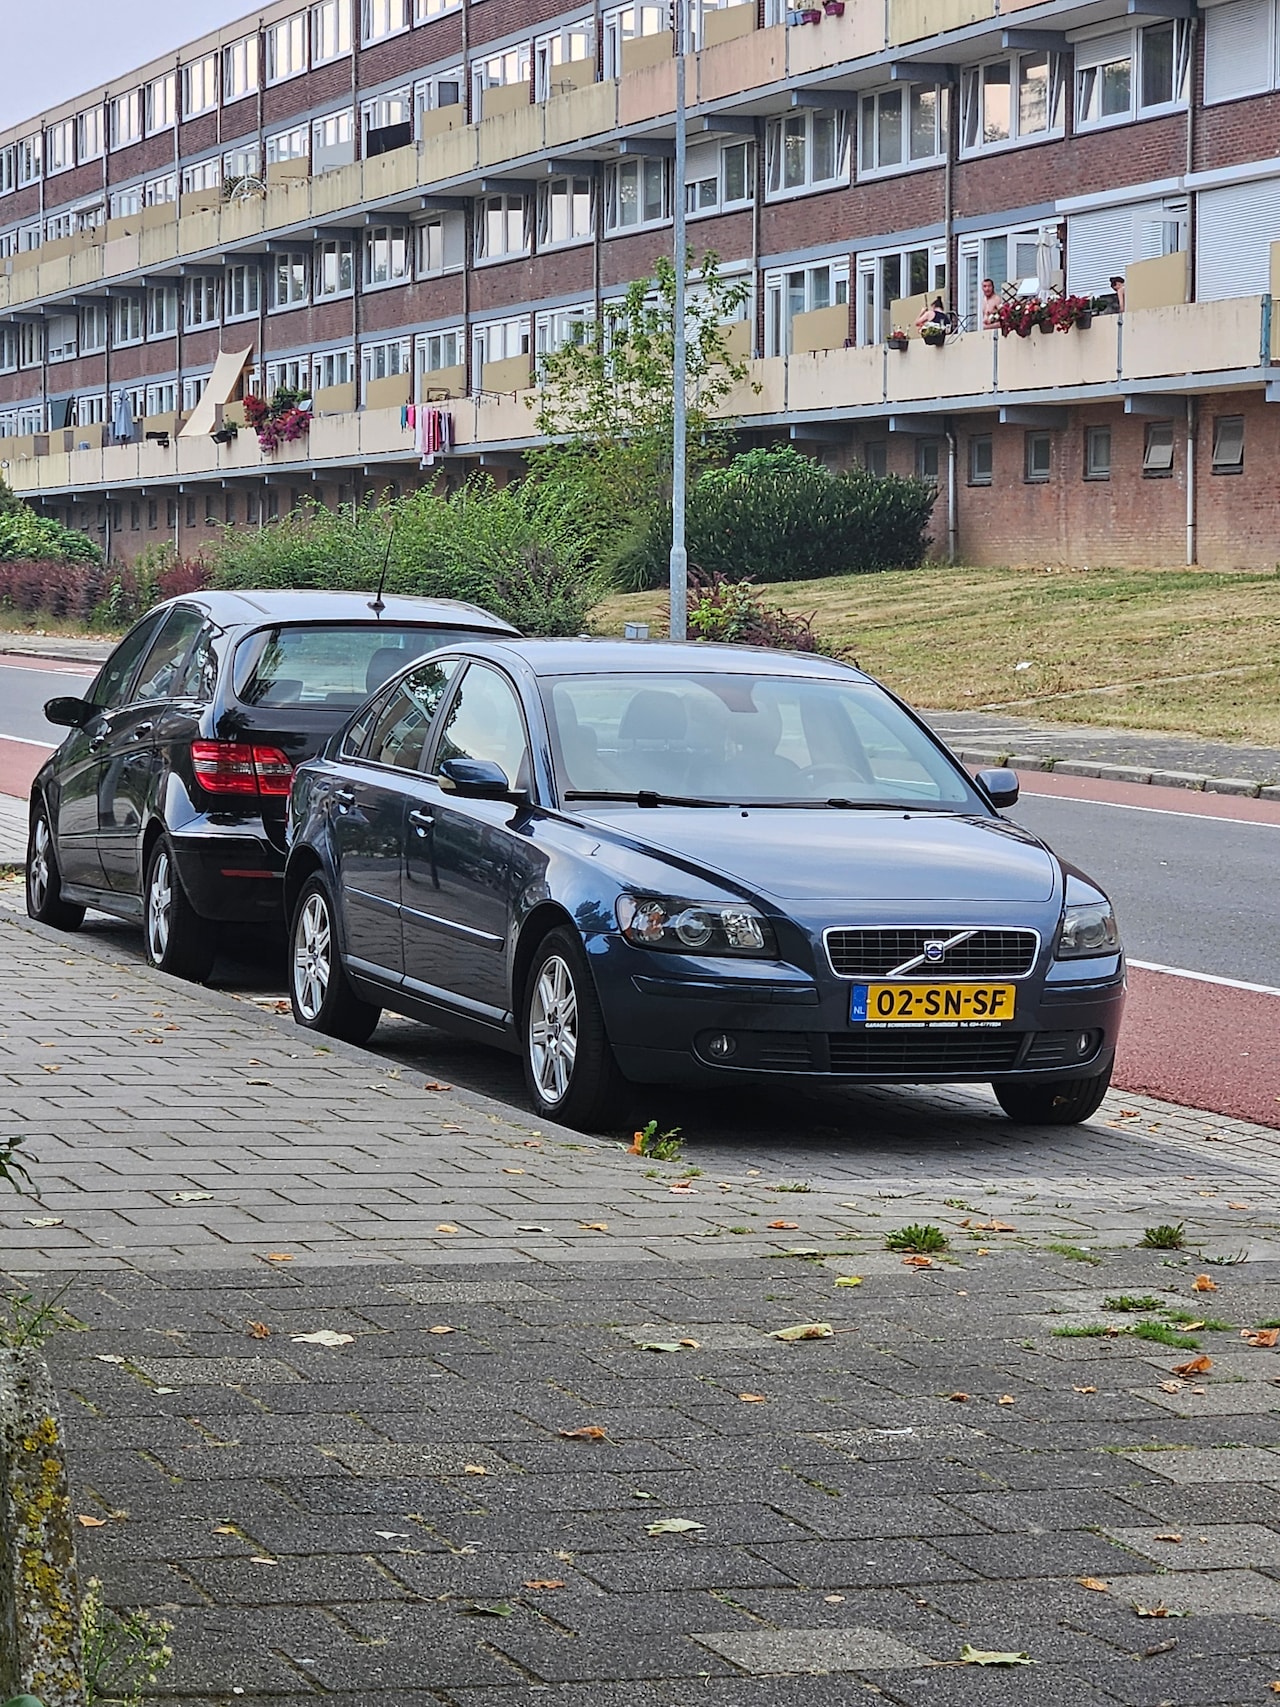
pixel 721 1046
pixel 1084 1043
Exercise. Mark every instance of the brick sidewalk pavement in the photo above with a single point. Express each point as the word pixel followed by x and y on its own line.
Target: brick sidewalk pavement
pixel 386 1514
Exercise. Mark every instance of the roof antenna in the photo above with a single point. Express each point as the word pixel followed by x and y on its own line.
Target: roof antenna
pixel 376 603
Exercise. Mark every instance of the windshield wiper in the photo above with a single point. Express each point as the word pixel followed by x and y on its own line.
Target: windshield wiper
pixel 885 805
pixel 643 797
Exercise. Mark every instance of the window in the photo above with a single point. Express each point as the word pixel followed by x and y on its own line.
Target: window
pixel 800 291
pixel 29 159
pixel 287 48
pixel 8 353
pixel 499 341
pixel 29 237
pixel 334 267
pixel 93 328
pixel 200 86
pixel 1132 73
pixel 1037 456
pixel 502 227
pixel 718 177
pixel 385 360
pixel 204 301
pixel 441 89
pixel 573 44
pixel 386 254
pixel 928 459
pixel 59 225
pixel 637 192
pixel 1004 257
pixel 890 276
pixel 334 367
pixel 875 457
pixel 333 141
pixel 243 292
pixel 161 102
pixel 438 351
pixel 400 732
pixel 564 211
pixel 204 175
pixel 387 121
pixel 126 320
pixel 484 722
pixel 981 460
pixel 561 326
pixel 8 169
pixel 806 151
pixel 1228 443
pixel 502 71
pixel 59 146
pixel 425 10
pixel 626 24
pixel 1157 454
pixel 89 134
pixel 91 411
pixel 382 18
pixel 330 30
pixel 293 374
pixel 125 119
pixel 902 127
pixel 440 243
pixel 240 69
pixel 157 192
pixel 193 391
pixel 162 398
pixel 239 163
pixel 162 311
pixel 1013 99
pixel 289 144
pixel 288 280
pixel 64 337
pixel 1097 453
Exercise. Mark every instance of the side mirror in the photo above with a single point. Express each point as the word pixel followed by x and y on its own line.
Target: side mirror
pixel 474 779
pixel 70 713
pixel 1000 786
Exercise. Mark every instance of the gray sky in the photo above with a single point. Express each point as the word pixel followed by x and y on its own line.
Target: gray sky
pixel 55 48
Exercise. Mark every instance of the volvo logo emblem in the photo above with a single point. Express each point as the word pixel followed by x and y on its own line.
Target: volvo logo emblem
pixel 934 951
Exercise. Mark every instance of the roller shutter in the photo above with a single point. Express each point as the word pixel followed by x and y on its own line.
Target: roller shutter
pixel 1235 227
pixel 1237 50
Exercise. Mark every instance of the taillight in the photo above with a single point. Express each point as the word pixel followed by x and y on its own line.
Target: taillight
pixel 237 767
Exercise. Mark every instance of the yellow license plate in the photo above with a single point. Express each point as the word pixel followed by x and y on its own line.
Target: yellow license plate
pixel 932 1004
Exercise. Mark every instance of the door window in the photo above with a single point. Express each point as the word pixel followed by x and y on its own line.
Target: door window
pixel 400 734
pixel 484 722
pixel 200 673
pixel 160 668
pixel 113 682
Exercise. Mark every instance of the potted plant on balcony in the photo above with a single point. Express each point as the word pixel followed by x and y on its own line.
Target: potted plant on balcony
pixel 898 339
pixel 1022 316
pixel 1065 312
pixel 933 335
pixel 225 433
pixel 283 420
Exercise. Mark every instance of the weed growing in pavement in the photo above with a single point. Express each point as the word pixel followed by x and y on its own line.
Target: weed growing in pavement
pixel 1210 1324
pixel 792 1185
pixel 1163 1334
pixel 1274 1322
pixel 917 1238
pixel 12 1172
pixel 660 1146
pixel 1125 1302
pixel 1074 1253
pixel 1229 1259
pixel 124 1653
pixel 26 1320
pixel 1090 1331
pixel 1164 1237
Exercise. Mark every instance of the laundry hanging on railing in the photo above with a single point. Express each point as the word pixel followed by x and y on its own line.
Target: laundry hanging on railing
pixel 122 418
pixel 432 431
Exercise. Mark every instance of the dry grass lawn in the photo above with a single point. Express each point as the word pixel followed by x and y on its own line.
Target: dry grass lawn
pixel 1184 650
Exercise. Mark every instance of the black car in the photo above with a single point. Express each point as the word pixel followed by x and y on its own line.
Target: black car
pixel 687 863
pixel 167 800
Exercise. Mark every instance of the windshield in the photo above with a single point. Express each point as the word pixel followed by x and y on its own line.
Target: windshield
pixel 328 664
pixel 738 739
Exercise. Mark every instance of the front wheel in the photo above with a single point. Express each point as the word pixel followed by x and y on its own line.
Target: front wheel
pixel 178 940
pixel 319 991
pixel 44 879
pixel 1065 1102
pixel 569 1064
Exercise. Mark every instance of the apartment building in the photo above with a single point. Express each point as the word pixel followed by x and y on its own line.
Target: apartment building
pixel 386 202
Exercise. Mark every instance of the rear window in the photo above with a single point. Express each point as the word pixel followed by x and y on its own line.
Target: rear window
pixel 328 664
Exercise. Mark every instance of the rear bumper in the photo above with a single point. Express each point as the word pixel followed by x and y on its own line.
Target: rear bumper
pixel 233 878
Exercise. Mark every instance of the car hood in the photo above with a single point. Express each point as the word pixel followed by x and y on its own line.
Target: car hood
pixel 847 856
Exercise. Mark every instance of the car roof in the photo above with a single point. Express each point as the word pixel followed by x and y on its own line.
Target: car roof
pixel 585 656
pixel 254 606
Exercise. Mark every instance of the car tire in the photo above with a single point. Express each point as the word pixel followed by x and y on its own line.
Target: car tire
pixel 320 992
pixel 569 1064
pixel 44 878
pixel 1061 1102
pixel 178 941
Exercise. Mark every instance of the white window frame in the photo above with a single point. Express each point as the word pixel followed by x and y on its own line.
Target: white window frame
pixel 291 144
pixel 62 342
pixel 327 264
pixel 8 168
pixel 333 135
pixel 289 373
pixel 59 225
pixel 94 324
pixel 125 119
pixel 578 221
pixel 504 70
pixel 333 367
pixel 30 343
pixel 30 158
pixel 425 11
pixel 496 341
pixel 871 321
pixel 824 284
pixel 642 172
pixel 202 175
pixel 161 191
pixel 501 227
pixel 622 24
pixel 392 107
pixel 288 281
pixel 128 320
pixel 203 304
pixel 910 99
pixel 974 82
pixel 975 262
pixel 243 162
pixel 553 328
pixel 286 48
pixel 8 350
pixel 200 86
pixel 242 292
pixel 90 135
pixel 240 69
pixel 161 398
pixel 91 409
pixel 1090 83
pixel 160 98
pixel 433 348
pixel 125 203
pixel 440 244
pixel 59 147
pixel 384 359
pixel 162 311
pixel 804 126
pixel 331 36
pixel 570 44
pixel 707 192
pixel 393 239
pixel 382 19
pixel 428 90
pixel 193 389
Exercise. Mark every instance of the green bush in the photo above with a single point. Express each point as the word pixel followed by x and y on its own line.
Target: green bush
pixel 774 515
pixel 27 537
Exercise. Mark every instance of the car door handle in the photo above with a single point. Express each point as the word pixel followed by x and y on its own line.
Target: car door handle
pixel 423 822
pixel 345 797
pixel 96 742
pixel 142 731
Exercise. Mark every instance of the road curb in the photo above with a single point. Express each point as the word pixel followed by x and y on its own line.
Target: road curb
pixel 1197 782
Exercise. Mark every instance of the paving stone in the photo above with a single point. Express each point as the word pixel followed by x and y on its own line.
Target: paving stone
pixel 1207 1547
pixel 765 1652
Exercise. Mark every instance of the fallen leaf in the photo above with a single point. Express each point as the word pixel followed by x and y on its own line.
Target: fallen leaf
pixel 660 1345
pixel 1194 1366
pixel 591 1432
pixel 43 1220
pixel 594 1226
pixel 1264 1338
pixel 673 1526
pixel 1202 1283
pixel 991 1226
pixel 1171 1386
pixel 487 1609
pixel 959 1398
pixel 684 1188
pixel 107 1357
pixel 752 1398
pixel 513 1170
pixel 804 1331
pixel 1169 1535
pixel 545 1583
pixel 1239 1206
pixel 691 1345
pixel 984 1657
pixel 1006 1399
pixel 917 1262
pixel 191 1197
pixel 1275 1687
pixel 435 1085
pixel 261 1559
pixel 849 1280
pixel 226 1529
pixel 91 1522
pixel 446 1227
pixel 1159 1610
pixel 259 1331
pixel 1094 1583
pixel 1158 1648
pixel 636 1147
pixel 441 1328
pixel 792 1225
pixel 1084 1389
pixel 48 1067
pixel 474 1470
pixel 279 1256
pixel 324 1336
pixel 1190 1327
pixel 834 1599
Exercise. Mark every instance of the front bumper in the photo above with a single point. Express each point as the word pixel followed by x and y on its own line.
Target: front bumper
pixel 668 1025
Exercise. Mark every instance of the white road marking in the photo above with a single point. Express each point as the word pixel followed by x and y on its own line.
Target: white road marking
pixel 1204 977
pixel 1163 811
pixel 23 741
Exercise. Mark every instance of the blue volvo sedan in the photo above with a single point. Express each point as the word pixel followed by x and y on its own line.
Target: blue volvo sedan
pixel 665 863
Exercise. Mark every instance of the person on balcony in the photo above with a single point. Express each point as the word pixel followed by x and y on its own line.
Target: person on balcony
pixel 990 304
pixel 933 314
pixel 1116 281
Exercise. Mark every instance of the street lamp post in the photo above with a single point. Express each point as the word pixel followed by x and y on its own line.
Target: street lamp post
pixel 679 555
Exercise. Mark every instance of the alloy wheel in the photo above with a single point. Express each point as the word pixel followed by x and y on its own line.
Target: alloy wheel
pixel 312 956
pixel 160 906
pixel 38 873
pixel 553 1029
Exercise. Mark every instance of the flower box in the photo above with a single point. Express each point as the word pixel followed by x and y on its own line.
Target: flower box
pixel 833 8
pixel 898 341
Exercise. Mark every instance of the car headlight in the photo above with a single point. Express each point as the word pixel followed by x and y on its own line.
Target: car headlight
pixel 695 927
pixel 1088 930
